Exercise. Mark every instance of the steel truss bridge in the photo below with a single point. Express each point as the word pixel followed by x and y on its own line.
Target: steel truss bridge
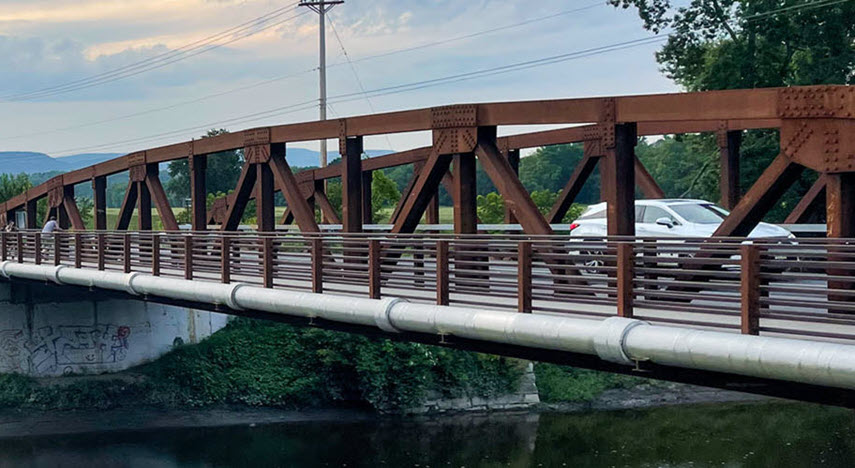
pixel 766 316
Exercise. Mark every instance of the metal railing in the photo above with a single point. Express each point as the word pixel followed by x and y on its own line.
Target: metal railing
pixel 779 286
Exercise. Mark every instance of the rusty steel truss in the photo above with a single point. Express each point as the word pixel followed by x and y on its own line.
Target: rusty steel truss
pixel 817 132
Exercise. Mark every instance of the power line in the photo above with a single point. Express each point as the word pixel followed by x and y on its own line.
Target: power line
pixel 356 76
pixel 182 53
pixel 792 8
pixel 384 91
pixel 312 70
pixel 430 83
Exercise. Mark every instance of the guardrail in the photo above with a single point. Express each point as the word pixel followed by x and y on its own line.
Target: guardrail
pixel 781 286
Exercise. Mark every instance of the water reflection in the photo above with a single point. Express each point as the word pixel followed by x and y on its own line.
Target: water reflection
pixel 733 435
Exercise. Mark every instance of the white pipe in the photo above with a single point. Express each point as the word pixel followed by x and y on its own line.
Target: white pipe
pixel 615 339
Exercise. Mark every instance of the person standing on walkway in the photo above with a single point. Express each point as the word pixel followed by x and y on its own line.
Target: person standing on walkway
pixel 49 228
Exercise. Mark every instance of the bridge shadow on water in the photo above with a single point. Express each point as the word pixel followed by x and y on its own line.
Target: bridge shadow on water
pixel 750 435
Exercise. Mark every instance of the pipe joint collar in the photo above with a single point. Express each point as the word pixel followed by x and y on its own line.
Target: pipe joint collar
pixel 55 274
pixel 3 266
pixel 382 316
pixel 129 283
pixel 611 336
pixel 231 299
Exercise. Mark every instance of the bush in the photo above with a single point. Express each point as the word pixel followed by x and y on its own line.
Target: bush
pixel 557 384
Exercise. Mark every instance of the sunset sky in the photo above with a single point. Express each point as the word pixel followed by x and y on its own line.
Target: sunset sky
pixel 56 43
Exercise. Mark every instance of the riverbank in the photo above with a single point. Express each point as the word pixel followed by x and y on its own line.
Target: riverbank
pixel 17 423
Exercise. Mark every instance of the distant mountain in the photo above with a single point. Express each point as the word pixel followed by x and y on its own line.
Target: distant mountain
pixel 16 162
pixel 302 157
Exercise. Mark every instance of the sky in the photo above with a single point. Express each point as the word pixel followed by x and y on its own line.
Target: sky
pixel 266 72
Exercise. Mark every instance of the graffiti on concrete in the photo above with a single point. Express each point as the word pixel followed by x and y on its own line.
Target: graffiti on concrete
pixel 62 349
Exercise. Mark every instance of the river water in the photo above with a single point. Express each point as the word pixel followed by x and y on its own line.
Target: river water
pixel 750 435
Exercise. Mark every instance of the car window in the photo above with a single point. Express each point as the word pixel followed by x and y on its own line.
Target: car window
pixel 639 212
pixel 594 215
pixel 700 214
pixel 652 213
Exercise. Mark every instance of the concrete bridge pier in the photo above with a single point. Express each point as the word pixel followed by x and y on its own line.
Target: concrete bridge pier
pixel 47 331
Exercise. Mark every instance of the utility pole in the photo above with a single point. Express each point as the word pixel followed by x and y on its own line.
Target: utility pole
pixel 321 7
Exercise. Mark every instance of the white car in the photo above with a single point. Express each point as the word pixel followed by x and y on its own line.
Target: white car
pixel 669 218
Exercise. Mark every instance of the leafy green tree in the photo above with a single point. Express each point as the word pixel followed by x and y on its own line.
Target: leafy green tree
pixel 491 208
pixel 729 44
pixel 221 176
pixel 384 193
pixel 86 207
pixel 13 185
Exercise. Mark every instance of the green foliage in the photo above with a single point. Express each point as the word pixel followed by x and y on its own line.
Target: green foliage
pixel 491 207
pixel 259 363
pixel 726 44
pixel 222 173
pixel 566 384
pixel 384 193
pixel 13 185
pixel 86 207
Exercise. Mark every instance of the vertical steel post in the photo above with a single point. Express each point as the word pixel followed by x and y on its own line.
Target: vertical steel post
pixel 524 284
pixel 514 160
pixel 126 249
pixel 155 255
pixel 374 276
pixel 728 145
pixel 78 250
pixel 267 261
pixel 620 181
pixel 625 273
pixel 38 248
pixel 351 184
pixel 750 289
pixel 101 247
pixel 198 191
pixel 225 260
pixel 317 265
pixel 99 199
pixel 188 257
pixel 442 275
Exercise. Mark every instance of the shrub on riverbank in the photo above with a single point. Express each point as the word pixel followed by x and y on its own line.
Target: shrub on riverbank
pixel 557 384
pixel 259 363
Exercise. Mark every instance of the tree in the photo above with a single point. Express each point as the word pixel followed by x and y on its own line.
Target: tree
pixel 221 176
pixel 86 207
pixel 384 193
pixel 13 185
pixel 729 44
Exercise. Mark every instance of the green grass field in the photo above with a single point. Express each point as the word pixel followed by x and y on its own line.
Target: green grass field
pixel 446 216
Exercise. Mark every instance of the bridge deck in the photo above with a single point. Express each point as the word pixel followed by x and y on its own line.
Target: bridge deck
pixel 787 288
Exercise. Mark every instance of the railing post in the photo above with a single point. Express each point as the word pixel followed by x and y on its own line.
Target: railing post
pixel 3 253
pixel 317 265
pixel 524 277
pixel 20 247
pixel 188 257
pixel 442 273
pixel 78 251
pixel 267 261
pixel 226 260
pixel 57 249
pixel 126 248
pixel 374 269
pixel 750 289
pixel 625 273
pixel 155 254
pixel 101 246
pixel 38 250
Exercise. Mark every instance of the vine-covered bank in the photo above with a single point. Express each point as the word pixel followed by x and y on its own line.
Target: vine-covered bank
pixel 257 363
